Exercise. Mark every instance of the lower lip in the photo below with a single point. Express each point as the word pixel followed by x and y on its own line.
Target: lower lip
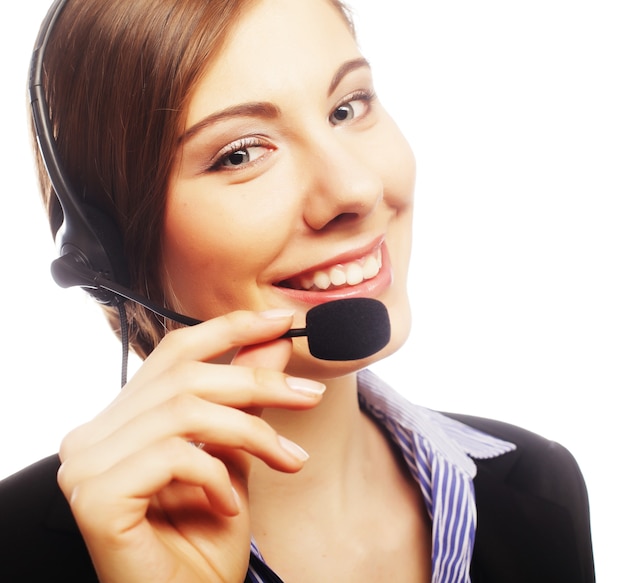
pixel 369 288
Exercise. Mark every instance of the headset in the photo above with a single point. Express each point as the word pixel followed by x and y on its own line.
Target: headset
pixel 89 242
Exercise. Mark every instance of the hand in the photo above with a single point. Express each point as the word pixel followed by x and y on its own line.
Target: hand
pixel 150 505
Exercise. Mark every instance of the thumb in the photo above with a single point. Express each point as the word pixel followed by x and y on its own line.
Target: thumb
pixel 273 355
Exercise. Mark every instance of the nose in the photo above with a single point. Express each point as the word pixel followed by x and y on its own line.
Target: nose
pixel 343 183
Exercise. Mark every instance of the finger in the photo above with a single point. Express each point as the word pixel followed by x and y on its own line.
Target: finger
pixel 235 386
pixel 217 337
pixel 119 497
pixel 193 419
pixel 271 355
pixel 203 342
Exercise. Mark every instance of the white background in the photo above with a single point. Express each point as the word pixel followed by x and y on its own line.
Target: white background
pixel 517 114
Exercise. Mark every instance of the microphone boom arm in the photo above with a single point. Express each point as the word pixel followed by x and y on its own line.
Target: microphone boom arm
pixel 69 271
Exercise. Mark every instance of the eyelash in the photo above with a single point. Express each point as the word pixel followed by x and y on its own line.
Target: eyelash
pixel 365 96
pixel 234 147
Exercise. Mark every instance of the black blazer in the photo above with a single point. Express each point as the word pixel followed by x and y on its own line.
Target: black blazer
pixel 532 512
pixel 533 519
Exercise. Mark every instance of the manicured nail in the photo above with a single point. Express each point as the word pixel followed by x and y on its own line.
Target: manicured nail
pixel 276 314
pixel 306 386
pixel 293 448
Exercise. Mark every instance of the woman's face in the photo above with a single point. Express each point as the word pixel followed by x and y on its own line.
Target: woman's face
pixel 292 186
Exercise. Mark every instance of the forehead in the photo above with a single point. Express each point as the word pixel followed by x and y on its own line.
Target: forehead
pixel 276 47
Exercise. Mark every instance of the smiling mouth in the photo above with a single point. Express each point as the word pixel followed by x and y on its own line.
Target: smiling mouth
pixel 338 276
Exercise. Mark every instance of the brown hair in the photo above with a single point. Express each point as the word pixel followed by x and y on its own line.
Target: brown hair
pixel 118 76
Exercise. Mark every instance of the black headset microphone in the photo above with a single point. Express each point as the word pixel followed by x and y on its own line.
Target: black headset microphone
pixel 91 252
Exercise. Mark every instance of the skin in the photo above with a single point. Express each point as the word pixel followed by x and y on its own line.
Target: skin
pixel 326 175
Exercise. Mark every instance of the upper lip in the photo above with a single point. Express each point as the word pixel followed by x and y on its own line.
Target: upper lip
pixel 345 257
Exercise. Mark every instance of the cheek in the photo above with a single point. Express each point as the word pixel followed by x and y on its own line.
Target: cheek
pixel 212 255
pixel 192 255
pixel 397 164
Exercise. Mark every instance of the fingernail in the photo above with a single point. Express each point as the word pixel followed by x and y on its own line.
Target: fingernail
pixel 306 386
pixel 293 448
pixel 276 314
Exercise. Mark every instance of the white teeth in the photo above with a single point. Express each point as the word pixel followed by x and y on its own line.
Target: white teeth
pixel 355 274
pixel 337 276
pixel 371 267
pixel 307 282
pixel 351 273
pixel 321 280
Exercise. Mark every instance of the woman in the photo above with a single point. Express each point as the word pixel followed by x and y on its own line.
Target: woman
pixel 253 174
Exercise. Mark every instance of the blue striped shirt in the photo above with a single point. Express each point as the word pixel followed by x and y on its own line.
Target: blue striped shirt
pixel 438 451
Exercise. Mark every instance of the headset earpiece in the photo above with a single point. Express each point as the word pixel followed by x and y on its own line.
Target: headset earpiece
pixel 90 240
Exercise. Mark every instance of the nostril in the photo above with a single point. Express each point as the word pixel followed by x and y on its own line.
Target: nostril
pixel 343 217
pixel 332 208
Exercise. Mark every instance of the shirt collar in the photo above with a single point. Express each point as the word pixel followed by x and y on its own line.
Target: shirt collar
pixel 453 440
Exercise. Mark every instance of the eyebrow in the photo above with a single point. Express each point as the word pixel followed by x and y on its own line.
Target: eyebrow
pixel 346 68
pixel 253 109
pixel 264 109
